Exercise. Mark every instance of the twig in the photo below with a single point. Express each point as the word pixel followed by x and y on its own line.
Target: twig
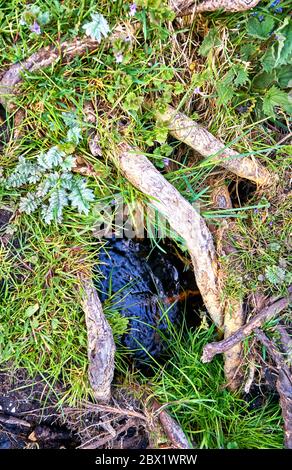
pixel 211 349
pixel 193 134
pixel 284 384
pixel 171 428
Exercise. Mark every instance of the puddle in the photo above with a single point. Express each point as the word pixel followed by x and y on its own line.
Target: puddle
pixel 152 288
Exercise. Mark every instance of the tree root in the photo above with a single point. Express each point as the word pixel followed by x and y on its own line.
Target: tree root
pixel 182 218
pixel 284 385
pixel 272 310
pixel 188 131
pixel 171 428
pixel 189 7
pixel 39 60
pixel 101 346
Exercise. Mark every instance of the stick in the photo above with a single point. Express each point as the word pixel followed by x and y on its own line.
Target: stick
pixel 284 385
pixel 101 346
pixel 184 8
pixel 211 349
pixel 181 216
pixel 171 428
pixel 188 131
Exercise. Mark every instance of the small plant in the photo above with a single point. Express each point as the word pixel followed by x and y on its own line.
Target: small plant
pixel 97 28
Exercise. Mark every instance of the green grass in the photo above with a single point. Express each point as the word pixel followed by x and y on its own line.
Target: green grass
pixel 41 322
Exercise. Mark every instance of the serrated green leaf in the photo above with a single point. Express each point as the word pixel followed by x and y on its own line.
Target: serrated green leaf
pixel 275 97
pixel 260 29
pixel 268 60
pixel 80 196
pixel 241 76
pixel 263 80
pixel 225 93
pixel 284 76
pixel 210 41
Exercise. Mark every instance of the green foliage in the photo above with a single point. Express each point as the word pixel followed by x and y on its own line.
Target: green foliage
pixel 276 97
pixel 209 42
pixel 97 28
pixel 57 186
pixel 260 29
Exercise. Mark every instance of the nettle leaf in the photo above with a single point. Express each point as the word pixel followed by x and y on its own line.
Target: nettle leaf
pixel 276 97
pixel 210 41
pixel 241 75
pixel 97 28
pixel 225 92
pixel 260 29
pixel 80 196
pixel 29 203
pixel 263 80
pixel 284 76
pixel 284 37
pixel 268 60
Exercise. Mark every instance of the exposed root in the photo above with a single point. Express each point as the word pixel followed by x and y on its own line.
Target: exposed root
pixel 188 131
pixel 189 7
pixel 181 216
pixel 101 346
pixel 284 385
pixel 171 428
pixel 39 60
pixel 271 311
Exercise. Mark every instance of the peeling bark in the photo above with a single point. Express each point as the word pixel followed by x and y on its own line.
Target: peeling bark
pixel 269 312
pixel 189 7
pixel 101 346
pixel 182 218
pixel 188 131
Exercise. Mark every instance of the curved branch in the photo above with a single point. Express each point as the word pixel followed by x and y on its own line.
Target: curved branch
pixel 193 134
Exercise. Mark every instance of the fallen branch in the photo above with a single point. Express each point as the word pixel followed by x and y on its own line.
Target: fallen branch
pixel 42 58
pixel 101 346
pixel 284 385
pixel 193 134
pixel 181 216
pixel 171 428
pixel 185 7
pixel 211 349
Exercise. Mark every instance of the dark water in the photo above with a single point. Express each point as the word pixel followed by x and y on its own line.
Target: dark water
pixel 146 286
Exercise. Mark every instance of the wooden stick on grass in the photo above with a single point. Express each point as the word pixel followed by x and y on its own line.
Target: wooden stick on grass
pixel 189 7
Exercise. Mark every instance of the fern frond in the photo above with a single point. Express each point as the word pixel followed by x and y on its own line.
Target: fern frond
pixel 80 196
pixel 29 203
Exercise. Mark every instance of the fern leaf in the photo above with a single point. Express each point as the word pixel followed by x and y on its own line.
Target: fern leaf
pixel 54 210
pixel 97 28
pixel 52 158
pixel 29 203
pixel 81 196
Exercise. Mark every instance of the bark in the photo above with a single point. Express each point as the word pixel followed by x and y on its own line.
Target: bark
pixel 189 7
pixel 182 218
pixel 233 307
pixel 271 311
pixel 284 385
pixel 171 428
pixel 201 140
pixel 101 346
pixel 44 57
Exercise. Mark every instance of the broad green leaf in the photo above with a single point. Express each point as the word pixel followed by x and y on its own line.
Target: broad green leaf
pixel 260 29
pixel 210 41
pixel 276 97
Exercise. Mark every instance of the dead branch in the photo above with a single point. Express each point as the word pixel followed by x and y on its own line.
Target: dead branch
pixel 101 346
pixel 43 58
pixel 193 134
pixel 190 7
pixel 171 428
pixel 181 216
pixel 211 349
pixel 284 385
